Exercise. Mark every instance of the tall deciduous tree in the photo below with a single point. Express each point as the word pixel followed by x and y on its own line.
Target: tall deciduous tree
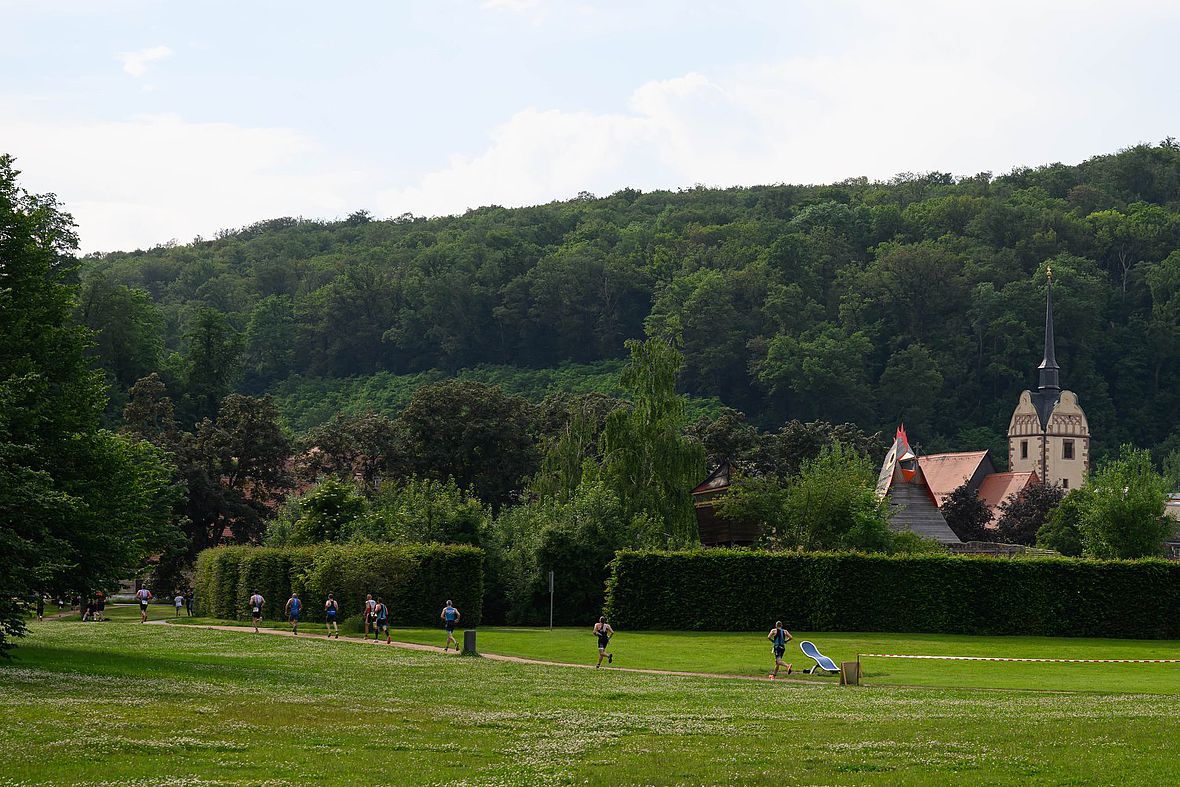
pixel 354 447
pixel 1025 513
pixel 237 471
pixel 211 363
pixel 1123 508
pixel 128 329
pixel 646 459
pixel 474 433
pixel 80 508
pixel 966 514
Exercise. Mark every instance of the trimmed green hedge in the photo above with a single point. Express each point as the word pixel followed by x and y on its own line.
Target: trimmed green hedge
pixel 414 580
pixel 741 590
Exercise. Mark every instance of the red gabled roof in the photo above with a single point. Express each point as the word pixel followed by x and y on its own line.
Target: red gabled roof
pixel 998 487
pixel 945 473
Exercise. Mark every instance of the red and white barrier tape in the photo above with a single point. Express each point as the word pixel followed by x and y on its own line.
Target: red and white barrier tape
pixel 998 658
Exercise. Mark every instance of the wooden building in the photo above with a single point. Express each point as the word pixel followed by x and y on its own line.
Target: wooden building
pixel 716 531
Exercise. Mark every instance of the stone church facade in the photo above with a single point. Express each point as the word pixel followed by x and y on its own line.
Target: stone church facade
pixel 1048 433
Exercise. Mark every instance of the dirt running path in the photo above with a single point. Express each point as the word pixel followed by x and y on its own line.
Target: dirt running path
pixel 498 657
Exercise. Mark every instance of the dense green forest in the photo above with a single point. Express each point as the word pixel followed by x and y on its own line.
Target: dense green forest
pixel 919 298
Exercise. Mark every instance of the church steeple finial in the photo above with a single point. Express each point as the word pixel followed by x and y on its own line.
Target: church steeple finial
pixel 1049 370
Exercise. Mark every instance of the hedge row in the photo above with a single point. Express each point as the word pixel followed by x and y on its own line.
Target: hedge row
pixel 741 590
pixel 415 580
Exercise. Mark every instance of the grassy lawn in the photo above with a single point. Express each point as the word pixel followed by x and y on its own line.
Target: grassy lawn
pixel 122 703
pixel 749 654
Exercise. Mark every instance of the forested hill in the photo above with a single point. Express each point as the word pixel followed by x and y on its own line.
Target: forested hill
pixel 921 298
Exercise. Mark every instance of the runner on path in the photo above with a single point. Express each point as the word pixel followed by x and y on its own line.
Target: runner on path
pixel 256 604
pixel 294 605
pixel 370 604
pixel 779 637
pixel 144 595
pixel 330 610
pixel 40 607
pixel 381 621
pixel 450 617
pixel 604 632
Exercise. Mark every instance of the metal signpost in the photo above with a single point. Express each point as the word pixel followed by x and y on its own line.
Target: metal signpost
pixel 551 601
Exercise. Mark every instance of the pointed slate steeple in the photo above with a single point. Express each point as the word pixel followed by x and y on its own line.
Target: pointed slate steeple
pixel 1048 391
pixel 1050 371
pixel 1048 433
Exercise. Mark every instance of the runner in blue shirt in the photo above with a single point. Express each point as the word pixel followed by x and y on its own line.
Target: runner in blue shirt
pixel 294 605
pixel 450 617
pixel 779 637
pixel 381 621
pixel 330 610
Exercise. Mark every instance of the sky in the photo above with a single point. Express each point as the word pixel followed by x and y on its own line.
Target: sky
pixel 159 121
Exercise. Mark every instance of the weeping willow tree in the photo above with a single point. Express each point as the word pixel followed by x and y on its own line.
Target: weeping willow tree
pixel 646 459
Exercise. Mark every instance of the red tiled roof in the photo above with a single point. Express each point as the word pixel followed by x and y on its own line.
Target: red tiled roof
pixel 998 487
pixel 947 472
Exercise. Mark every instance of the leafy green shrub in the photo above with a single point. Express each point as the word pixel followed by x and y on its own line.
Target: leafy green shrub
pixel 740 590
pixel 414 580
pixel 327 512
pixel 575 539
pixel 421 511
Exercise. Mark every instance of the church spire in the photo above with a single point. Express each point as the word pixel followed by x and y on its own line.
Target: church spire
pixel 1049 369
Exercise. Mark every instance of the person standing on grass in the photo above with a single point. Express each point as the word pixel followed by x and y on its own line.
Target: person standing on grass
pixel 381 621
pixel 779 637
pixel 370 605
pixel 40 607
pixel 188 602
pixel 330 610
pixel 100 605
pixel 179 602
pixel 294 605
pixel 450 616
pixel 604 632
pixel 144 595
pixel 256 604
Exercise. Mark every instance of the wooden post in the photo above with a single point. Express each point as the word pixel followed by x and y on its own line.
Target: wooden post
pixel 850 672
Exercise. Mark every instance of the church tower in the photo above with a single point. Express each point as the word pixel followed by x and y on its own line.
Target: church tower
pixel 1048 433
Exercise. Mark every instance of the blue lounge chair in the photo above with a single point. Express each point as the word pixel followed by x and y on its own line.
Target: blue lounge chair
pixel 821 661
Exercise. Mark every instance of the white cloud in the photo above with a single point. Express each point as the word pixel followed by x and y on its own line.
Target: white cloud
pixel 154 178
pixel 928 86
pixel 517 6
pixel 136 63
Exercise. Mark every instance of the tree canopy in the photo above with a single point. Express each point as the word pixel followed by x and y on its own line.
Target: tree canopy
pixel 80 507
pixel 862 301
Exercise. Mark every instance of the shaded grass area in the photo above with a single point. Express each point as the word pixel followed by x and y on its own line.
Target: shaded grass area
pixel 121 703
pixel 749 654
pixel 159 704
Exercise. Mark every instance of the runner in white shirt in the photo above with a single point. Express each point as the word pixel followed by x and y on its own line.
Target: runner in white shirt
pixel 256 603
pixel 144 595
pixel 370 616
pixel 179 602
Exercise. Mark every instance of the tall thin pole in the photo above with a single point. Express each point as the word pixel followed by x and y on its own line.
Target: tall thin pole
pixel 551 601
